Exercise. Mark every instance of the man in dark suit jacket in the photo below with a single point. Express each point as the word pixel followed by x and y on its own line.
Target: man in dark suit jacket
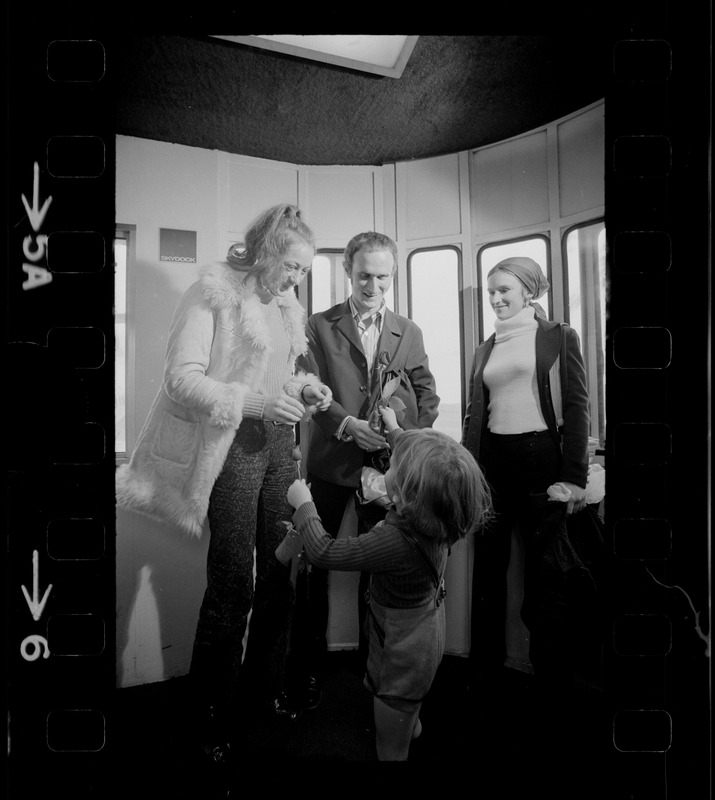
pixel 346 345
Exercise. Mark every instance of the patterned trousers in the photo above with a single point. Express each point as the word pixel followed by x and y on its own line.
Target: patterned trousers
pixel 246 510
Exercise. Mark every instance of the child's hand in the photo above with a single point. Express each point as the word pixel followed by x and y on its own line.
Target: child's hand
pixel 299 493
pixel 290 546
pixel 389 417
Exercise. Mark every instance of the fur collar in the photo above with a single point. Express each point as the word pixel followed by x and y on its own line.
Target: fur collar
pixel 227 289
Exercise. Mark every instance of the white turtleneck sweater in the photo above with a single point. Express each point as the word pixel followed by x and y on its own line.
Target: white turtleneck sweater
pixel 510 376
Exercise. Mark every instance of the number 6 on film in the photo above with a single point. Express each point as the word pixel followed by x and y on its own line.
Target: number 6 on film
pixel 37 643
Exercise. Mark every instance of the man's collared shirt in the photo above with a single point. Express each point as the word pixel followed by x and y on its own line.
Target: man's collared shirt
pixel 369 329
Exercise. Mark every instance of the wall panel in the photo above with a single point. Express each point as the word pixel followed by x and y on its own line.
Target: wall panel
pixel 509 184
pixel 161 575
pixel 432 200
pixel 253 187
pixel 581 142
pixel 162 185
pixel 340 202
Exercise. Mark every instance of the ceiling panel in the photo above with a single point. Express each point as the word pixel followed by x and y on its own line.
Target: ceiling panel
pixel 455 93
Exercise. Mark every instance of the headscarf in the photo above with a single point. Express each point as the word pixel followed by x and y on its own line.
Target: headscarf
pixel 529 274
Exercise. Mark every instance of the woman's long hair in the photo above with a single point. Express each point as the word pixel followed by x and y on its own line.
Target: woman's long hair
pixel 268 237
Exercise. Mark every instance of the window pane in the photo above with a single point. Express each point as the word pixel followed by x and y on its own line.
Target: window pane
pixel 491 255
pixel 120 336
pixel 434 306
pixel 573 269
pixel 320 283
pixel 390 295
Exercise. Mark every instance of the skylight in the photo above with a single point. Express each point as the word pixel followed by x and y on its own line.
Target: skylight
pixel 380 54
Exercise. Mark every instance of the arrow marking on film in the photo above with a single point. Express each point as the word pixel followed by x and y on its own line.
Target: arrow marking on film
pixel 36 606
pixel 35 213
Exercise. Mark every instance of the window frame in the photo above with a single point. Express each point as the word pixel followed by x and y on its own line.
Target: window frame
pixel 460 306
pixel 128 233
pixel 335 254
pixel 592 355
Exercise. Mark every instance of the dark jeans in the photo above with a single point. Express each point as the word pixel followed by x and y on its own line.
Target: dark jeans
pixel 310 620
pixel 246 510
pixel 519 469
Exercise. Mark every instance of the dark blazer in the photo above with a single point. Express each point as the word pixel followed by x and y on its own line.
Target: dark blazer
pixel 336 355
pixel 573 434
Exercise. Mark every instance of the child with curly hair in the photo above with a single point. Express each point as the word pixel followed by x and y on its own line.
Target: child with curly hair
pixel 439 496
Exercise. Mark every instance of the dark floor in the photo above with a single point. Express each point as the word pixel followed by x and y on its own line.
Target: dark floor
pixel 490 733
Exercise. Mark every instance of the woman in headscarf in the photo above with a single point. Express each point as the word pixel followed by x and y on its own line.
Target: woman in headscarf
pixel 531 437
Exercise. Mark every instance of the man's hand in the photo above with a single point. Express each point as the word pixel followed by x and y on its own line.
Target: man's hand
pixel 364 436
pixel 320 396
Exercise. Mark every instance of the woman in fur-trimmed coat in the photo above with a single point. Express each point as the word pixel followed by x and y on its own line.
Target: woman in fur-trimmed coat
pixel 218 444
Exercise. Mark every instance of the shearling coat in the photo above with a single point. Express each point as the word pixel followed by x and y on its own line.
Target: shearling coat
pixel 218 350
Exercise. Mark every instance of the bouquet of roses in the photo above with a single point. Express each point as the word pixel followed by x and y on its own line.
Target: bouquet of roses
pixel 372 478
pixel 382 395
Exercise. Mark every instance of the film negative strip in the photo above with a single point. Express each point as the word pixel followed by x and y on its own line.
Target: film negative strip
pixel 60 523
pixel 658 658
pixel 59 357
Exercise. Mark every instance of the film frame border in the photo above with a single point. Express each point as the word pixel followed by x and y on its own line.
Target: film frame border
pixel 59 346
pixel 647 180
